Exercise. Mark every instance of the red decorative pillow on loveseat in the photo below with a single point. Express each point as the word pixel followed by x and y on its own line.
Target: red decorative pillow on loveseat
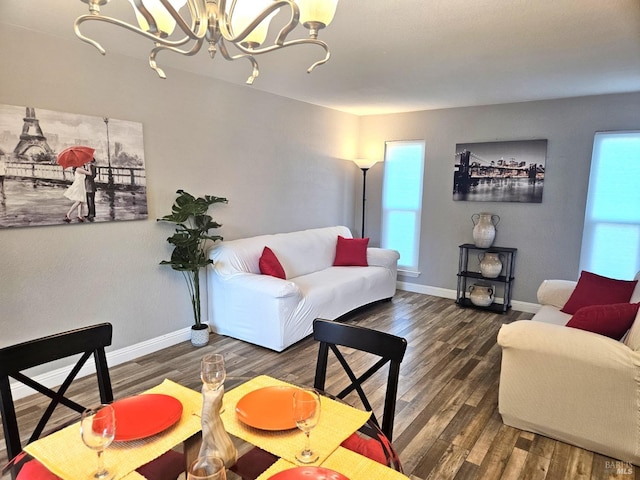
pixel 595 289
pixel 270 265
pixel 609 320
pixel 351 252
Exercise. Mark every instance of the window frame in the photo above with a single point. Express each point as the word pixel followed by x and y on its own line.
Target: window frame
pixel 598 227
pixel 409 267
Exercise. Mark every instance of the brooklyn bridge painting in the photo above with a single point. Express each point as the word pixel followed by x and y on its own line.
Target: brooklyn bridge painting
pixel 33 184
pixel 500 171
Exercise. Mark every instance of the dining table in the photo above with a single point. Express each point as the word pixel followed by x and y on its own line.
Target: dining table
pixel 264 451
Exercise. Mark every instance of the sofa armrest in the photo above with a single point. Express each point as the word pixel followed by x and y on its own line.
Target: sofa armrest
pixel 571 385
pixel 555 292
pixel 262 285
pixel 564 343
pixel 382 257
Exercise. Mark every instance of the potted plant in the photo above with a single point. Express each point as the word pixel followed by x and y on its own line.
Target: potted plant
pixel 190 244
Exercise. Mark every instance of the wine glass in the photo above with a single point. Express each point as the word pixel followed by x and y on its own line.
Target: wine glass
pixel 207 468
pixel 306 412
pixel 212 370
pixel 98 429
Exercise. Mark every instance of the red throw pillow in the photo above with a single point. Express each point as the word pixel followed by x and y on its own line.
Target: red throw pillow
pixel 370 448
pixel 270 265
pixel 594 289
pixel 34 470
pixel 351 252
pixel 610 320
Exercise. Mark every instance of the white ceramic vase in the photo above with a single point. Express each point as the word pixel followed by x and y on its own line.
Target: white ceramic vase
pixel 200 337
pixel 490 264
pixel 481 295
pixel 484 230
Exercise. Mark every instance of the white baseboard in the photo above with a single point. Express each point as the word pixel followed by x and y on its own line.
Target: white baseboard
pixel 115 357
pixel 447 293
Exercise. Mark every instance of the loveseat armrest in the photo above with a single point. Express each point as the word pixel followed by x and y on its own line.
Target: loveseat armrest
pixel 262 285
pixel 555 292
pixel 571 385
pixel 382 257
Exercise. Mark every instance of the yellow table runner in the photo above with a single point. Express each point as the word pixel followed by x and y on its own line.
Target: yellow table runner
pixel 64 453
pixel 337 422
pixel 352 465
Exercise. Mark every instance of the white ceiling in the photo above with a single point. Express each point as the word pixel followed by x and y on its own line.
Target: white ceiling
pixel 407 55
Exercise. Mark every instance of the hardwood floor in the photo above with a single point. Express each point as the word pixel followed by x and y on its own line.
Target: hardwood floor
pixel 447 424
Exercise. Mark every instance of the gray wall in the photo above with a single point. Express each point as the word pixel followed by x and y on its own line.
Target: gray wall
pixel 547 235
pixel 279 162
pixel 282 165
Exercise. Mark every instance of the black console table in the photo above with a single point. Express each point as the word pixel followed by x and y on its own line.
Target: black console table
pixel 504 282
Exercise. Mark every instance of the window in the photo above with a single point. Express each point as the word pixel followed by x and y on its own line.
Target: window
pixel 611 236
pixel 402 200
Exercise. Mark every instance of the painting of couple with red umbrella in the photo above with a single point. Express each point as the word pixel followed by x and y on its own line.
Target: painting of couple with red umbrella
pixel 59 168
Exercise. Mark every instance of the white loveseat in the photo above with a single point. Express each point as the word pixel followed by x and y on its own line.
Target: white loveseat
pixel 276 313
pixel 569 384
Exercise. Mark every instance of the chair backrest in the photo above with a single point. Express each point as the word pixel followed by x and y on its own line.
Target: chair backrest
pixel 389 348
pixel 88 341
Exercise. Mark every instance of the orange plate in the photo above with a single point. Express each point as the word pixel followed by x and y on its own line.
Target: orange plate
pixel 267 408
pixel 308 473
pixel 145 415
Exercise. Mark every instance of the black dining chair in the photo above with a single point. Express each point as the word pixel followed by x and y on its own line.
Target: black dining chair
pixel 87 342
pixel 389 348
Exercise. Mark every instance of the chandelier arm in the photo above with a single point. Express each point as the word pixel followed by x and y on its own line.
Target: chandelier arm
pixel 152 56
pixel 132 28
pixel 153 26
pixel 227 31
pixel 289 43
pixel 254 63
pixel 197 10
pixel 293 22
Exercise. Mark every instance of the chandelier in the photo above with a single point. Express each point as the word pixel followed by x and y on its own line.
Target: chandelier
pixel 241 23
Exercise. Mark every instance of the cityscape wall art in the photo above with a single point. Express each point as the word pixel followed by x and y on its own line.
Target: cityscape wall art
pixel 510 171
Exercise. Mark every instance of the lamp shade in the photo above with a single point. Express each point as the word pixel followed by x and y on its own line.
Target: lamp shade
pixel 165 22
pixel 316 11
pixel 364 162
pixel 246 12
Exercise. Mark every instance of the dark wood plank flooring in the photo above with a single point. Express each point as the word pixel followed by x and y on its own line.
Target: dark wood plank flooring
pixel 447 424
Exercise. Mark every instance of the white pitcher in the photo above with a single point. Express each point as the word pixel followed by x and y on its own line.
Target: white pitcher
pixel 491 264
pixel 484 230
pixel 481 295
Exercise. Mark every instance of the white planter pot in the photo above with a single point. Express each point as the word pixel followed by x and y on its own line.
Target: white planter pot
pixel 200 338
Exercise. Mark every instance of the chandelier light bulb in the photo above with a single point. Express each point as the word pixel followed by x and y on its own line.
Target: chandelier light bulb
pixel 246 12
pixel 316 14
pixel 164 21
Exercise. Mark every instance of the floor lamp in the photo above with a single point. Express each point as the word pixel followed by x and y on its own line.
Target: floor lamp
pixel 364 165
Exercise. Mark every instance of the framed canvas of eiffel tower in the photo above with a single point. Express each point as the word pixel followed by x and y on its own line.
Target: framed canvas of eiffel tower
pixel 35 190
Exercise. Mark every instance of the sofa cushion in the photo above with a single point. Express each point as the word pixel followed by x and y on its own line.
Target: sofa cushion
pixel 270 265
pixel 609 320
pixel 595 289
pixel 351 252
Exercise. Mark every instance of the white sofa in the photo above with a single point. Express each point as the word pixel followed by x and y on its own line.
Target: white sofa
pixel 276 313
pixel 569 384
